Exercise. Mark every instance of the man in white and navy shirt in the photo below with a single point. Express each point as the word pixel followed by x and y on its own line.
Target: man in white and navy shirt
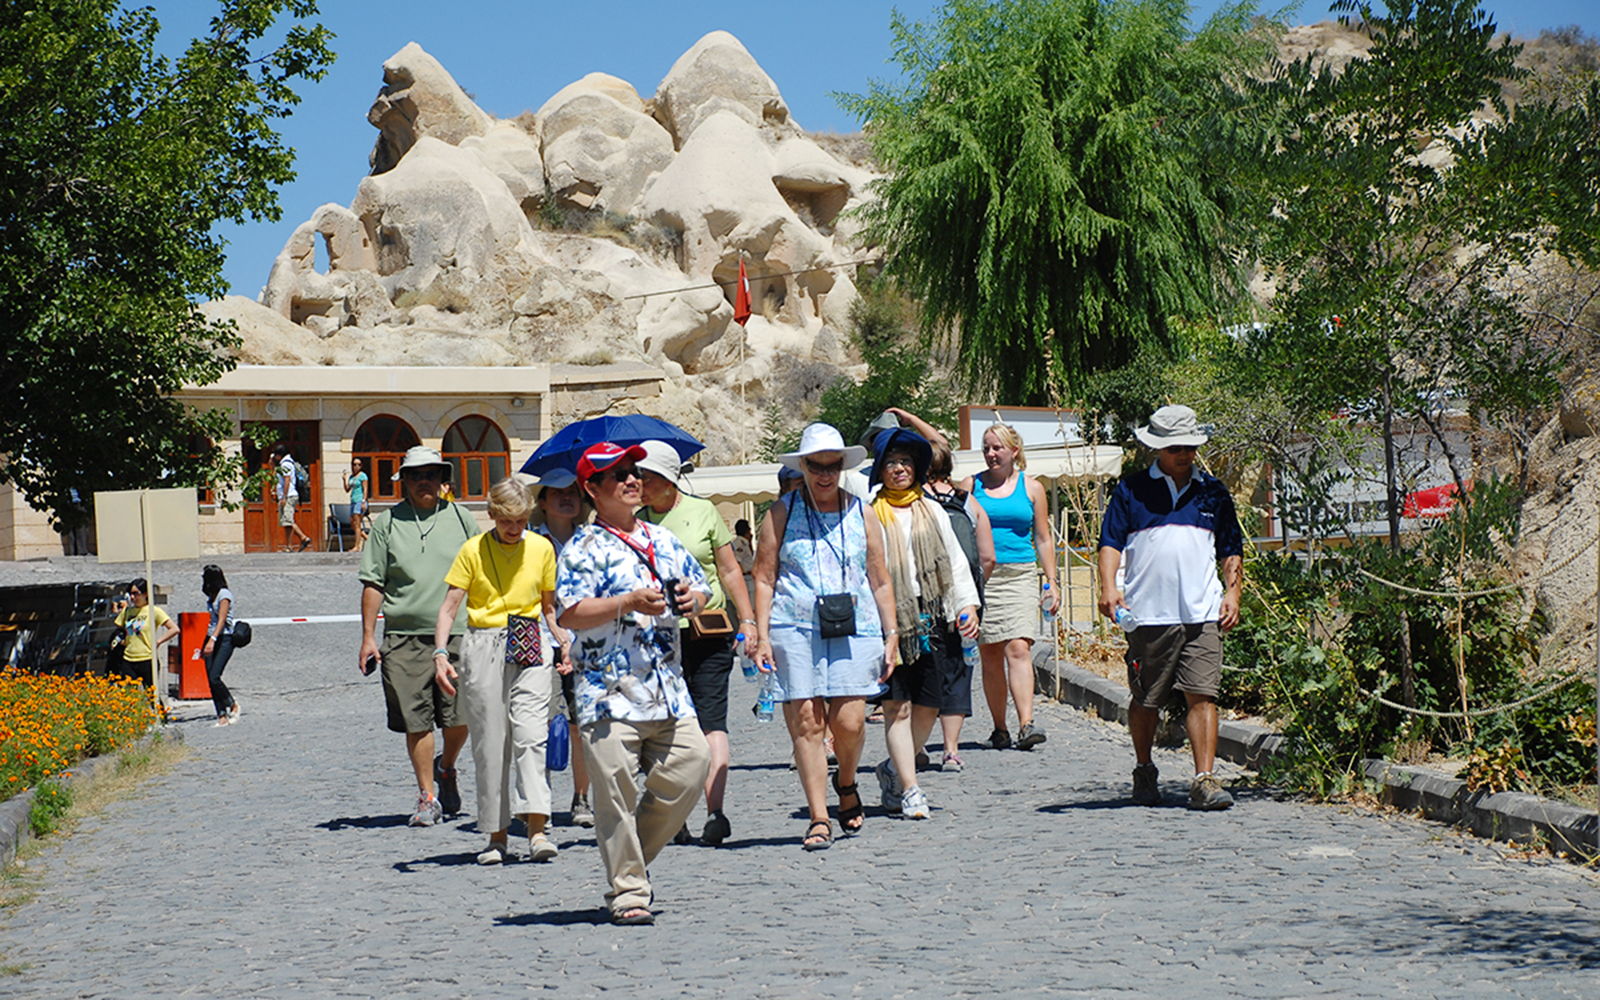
pixel 1170 529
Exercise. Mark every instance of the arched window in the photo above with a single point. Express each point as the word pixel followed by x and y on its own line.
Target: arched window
pixel 380 444
pixel 477 449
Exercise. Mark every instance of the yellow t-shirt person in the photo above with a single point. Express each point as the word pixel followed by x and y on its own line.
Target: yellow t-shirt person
pixel 131 620
pixel 503 579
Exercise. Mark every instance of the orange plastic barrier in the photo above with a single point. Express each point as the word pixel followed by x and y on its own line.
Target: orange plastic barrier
pixel 192 629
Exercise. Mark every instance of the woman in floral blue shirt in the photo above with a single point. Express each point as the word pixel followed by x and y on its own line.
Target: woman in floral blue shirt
pixel 633 704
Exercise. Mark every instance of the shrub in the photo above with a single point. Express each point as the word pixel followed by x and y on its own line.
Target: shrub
pixel 1316 650
pixel 51 800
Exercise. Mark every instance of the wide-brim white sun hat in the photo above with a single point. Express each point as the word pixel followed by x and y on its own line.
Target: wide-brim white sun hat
pixel 1173 425
pixel 817 438
pixel 663 459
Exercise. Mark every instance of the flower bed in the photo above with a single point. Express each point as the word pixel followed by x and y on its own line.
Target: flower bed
pixel 48 724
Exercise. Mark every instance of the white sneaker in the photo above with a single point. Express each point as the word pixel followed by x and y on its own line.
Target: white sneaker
pixel 914 804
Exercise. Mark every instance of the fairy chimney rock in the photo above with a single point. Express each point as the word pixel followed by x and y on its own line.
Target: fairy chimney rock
pixel 419 98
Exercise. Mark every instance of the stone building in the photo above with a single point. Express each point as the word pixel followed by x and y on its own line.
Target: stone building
pixel 486 422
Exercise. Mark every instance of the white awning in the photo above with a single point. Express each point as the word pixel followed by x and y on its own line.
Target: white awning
pixel 759 482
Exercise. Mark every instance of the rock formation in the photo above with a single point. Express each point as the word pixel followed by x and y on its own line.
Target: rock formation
pixel 602 227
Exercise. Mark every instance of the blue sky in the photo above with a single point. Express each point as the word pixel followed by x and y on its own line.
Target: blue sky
pixel 513 54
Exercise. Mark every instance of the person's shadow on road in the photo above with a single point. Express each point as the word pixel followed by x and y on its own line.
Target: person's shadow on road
pixel 593 915
pixel 1169 800
pixel 437 861
pixel 364 822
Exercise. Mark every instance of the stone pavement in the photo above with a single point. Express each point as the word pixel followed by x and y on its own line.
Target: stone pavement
pixel 275 862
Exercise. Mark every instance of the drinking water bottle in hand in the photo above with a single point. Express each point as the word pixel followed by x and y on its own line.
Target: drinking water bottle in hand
pixel 741 653
pixel 1125 618
pixel 969 648
pixel 1047 605
pixel 765 695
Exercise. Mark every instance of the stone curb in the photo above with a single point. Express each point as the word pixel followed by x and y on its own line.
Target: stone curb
pixel 1505 816
pixel 14 827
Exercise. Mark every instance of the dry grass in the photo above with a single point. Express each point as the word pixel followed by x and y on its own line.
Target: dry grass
pixel 91 795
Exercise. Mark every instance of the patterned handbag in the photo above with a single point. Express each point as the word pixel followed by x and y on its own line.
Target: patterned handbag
pixel 522 641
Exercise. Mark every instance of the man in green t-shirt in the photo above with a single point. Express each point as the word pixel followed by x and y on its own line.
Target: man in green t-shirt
pixel 403 567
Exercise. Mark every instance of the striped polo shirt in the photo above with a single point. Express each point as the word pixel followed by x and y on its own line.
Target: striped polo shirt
pixel 1171 541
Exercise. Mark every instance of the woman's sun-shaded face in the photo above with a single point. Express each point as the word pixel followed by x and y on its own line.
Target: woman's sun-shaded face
pixel 563 503
pixel 899 470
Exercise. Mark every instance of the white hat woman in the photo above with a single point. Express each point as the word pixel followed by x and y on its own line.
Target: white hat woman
pixel 822 592
pixel 508 691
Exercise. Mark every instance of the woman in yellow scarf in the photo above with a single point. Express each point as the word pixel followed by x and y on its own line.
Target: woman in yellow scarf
pixel 936 602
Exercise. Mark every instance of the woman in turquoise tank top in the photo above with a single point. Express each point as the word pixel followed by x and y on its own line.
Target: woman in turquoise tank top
pixel 1020 522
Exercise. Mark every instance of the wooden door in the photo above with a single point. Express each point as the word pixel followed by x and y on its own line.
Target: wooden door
pixel 261 530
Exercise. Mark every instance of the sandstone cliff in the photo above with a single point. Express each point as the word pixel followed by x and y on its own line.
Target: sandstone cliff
pixel 605 226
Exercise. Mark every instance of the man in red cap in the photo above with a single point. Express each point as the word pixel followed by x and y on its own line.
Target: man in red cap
pixel 634 709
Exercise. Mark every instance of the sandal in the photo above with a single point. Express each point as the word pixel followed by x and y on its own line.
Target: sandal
pixel 851 818
pixel 633 916
pixel 818 841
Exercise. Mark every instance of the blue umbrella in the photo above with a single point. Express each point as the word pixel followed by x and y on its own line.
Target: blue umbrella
pixel 563 448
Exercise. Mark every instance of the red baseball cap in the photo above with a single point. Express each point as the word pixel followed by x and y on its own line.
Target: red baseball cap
pixel 602 456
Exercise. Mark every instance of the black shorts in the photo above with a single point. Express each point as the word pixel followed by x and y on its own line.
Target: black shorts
pixel 706 666
pixel 922 682
pixel 955 679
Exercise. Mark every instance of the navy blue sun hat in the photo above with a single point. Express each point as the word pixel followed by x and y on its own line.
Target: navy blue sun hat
pixel 901 439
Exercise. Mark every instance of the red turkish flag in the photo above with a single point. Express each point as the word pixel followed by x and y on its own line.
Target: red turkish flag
pixel 741 298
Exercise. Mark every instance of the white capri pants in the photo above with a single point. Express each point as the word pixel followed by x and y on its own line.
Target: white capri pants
pixel 508 716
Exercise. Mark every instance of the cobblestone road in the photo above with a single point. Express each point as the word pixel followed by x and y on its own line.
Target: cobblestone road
pixel 275 861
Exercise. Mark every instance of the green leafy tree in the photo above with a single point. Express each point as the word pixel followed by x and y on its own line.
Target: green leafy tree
pixel 1406 200
pixel 1058 186
pixel 115 164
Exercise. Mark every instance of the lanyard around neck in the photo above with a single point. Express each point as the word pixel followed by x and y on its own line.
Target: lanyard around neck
pixel 645 552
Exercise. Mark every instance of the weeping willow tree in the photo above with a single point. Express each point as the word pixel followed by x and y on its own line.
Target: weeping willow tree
pixel 1059 181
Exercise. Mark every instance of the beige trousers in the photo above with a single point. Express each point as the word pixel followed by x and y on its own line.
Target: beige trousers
pixel 508 716
pixel 632 828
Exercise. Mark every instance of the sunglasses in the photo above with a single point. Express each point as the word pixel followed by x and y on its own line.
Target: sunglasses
pixel 433 474
pixel 619 475
pixel 1178 449
pixel 823 468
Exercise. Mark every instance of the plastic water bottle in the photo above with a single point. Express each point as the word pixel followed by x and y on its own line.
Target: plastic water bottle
pixel 1046 600
pixel 969 648
pixel 741 655
pixel 1124 617
pixel 765 696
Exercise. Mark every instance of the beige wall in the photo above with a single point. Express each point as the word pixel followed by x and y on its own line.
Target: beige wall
pixel 24 532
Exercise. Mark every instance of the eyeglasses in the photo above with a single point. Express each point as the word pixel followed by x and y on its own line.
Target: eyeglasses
pixel 1178 449
pixel 823 469
pixel 620 475
pixel 431 474
pixel 900 461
